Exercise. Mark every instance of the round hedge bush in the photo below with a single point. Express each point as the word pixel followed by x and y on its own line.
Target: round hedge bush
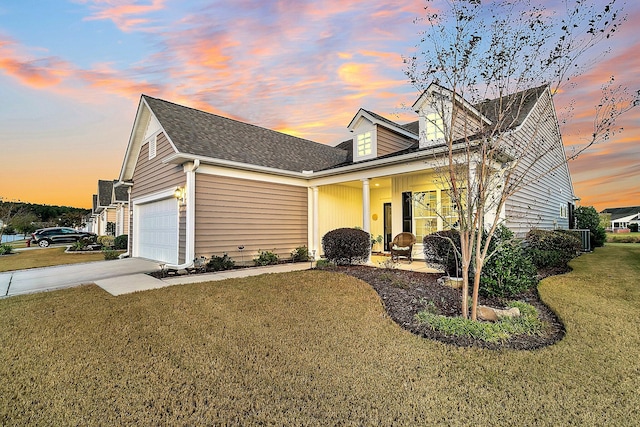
pixel 346 246
pixel 439 251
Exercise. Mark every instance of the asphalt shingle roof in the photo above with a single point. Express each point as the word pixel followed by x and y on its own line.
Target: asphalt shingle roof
pixel 121 193
pixel 209 135
pixel 520 104
pixel 622 212
pixel 105 189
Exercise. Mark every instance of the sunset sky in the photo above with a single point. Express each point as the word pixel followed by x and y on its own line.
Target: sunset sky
pixel 72 72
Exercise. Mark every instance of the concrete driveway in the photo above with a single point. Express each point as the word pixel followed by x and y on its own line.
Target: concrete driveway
pixel 64 276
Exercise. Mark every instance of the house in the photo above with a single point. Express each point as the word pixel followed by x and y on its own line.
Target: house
pixel 622 217
pixel 202 184
pixel 110 209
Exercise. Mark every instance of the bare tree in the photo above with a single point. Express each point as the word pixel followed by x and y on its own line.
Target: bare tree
pixel 483 64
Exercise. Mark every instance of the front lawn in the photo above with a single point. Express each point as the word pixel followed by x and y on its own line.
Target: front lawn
pixel 45 258
pixel 313 348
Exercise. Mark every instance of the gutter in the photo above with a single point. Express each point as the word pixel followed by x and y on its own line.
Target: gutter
pixel 180 158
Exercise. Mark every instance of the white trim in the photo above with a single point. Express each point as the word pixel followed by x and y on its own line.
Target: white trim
pixel 164 194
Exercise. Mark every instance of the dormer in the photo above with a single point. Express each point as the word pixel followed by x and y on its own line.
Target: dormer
pixel 375 136
pixel 434 108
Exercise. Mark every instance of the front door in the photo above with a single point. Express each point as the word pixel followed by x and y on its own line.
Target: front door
pixel 387 226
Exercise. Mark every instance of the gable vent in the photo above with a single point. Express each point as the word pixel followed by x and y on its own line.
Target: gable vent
pixel 152 147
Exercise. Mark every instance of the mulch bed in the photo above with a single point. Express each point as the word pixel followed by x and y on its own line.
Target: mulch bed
pixel 405 293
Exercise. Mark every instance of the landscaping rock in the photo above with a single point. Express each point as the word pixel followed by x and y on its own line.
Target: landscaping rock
pixel 491 314
pixel 452 282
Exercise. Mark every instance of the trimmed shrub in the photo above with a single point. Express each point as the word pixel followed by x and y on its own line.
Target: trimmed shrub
pixel 439 251
pixel 220 263
pixel 121 242
pixel 346 246
pixel 548 248
pixel 6 249
pixel 300 254
pixel 509 271
pixel 266 258
pixel 110 254
pixel 587 217
pixel 106 241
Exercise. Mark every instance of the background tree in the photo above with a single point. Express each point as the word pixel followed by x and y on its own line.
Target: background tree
pixel 24 223
pixel 8 211
pixel 498 50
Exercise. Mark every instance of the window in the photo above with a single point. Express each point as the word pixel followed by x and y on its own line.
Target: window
pixel 363 145
pixel 425 213
pixel 152 147
pixel 563 211
pixel 434 127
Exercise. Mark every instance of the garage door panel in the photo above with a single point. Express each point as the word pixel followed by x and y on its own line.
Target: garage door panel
pixel 157 230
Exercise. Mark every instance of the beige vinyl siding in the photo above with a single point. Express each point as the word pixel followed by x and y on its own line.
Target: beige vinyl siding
pixel 232 212
pixel 390 142
pixel 537 205
pixel 152 176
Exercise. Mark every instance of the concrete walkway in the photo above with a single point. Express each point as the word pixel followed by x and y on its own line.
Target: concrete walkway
pixel 142 282
pixel 64 276
pixel 128 275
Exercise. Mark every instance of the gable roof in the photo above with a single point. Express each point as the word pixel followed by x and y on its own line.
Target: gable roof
pixel 519 105
pixel 120 193
pixel 204 134
pixel 105 192
pixel 377 119
pixel 617 213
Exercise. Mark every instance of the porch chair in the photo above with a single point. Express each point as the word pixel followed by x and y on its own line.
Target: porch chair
pixel 402 245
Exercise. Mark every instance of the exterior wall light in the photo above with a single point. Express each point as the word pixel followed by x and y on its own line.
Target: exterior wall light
pixel 180 194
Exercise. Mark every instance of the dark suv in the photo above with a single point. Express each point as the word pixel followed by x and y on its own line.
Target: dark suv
pixel 47 236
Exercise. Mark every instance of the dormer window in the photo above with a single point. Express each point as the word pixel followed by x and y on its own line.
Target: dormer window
pixel 364 144
pixel 434 128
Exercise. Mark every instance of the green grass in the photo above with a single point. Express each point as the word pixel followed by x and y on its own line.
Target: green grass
pixel 45 258
pixel 623 238
pixel 527 323
pixel 313 348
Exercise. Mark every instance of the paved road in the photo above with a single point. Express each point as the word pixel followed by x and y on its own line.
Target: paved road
pixel 63 276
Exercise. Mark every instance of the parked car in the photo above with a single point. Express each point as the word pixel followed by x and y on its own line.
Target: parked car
pixel 47 236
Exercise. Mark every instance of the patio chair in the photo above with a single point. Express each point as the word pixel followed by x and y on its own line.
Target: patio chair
pixel 402 245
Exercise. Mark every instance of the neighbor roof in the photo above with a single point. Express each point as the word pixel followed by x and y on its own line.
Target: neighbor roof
pixel 209 135
pixel 105 189
pixel 622 212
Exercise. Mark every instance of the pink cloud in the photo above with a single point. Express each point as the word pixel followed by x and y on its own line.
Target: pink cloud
pixel 124 13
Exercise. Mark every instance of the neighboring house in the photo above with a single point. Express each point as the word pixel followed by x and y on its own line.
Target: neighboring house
pixel 202 184
pixel 110 212
pixel 622 217
pixel 120 201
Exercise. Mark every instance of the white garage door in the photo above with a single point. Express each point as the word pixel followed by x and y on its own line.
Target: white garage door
pixel 157 231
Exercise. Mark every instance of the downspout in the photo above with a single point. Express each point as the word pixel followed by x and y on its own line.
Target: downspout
pixel 191 217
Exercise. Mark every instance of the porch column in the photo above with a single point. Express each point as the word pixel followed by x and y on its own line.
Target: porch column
pixel 366 206
pixel 315 226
